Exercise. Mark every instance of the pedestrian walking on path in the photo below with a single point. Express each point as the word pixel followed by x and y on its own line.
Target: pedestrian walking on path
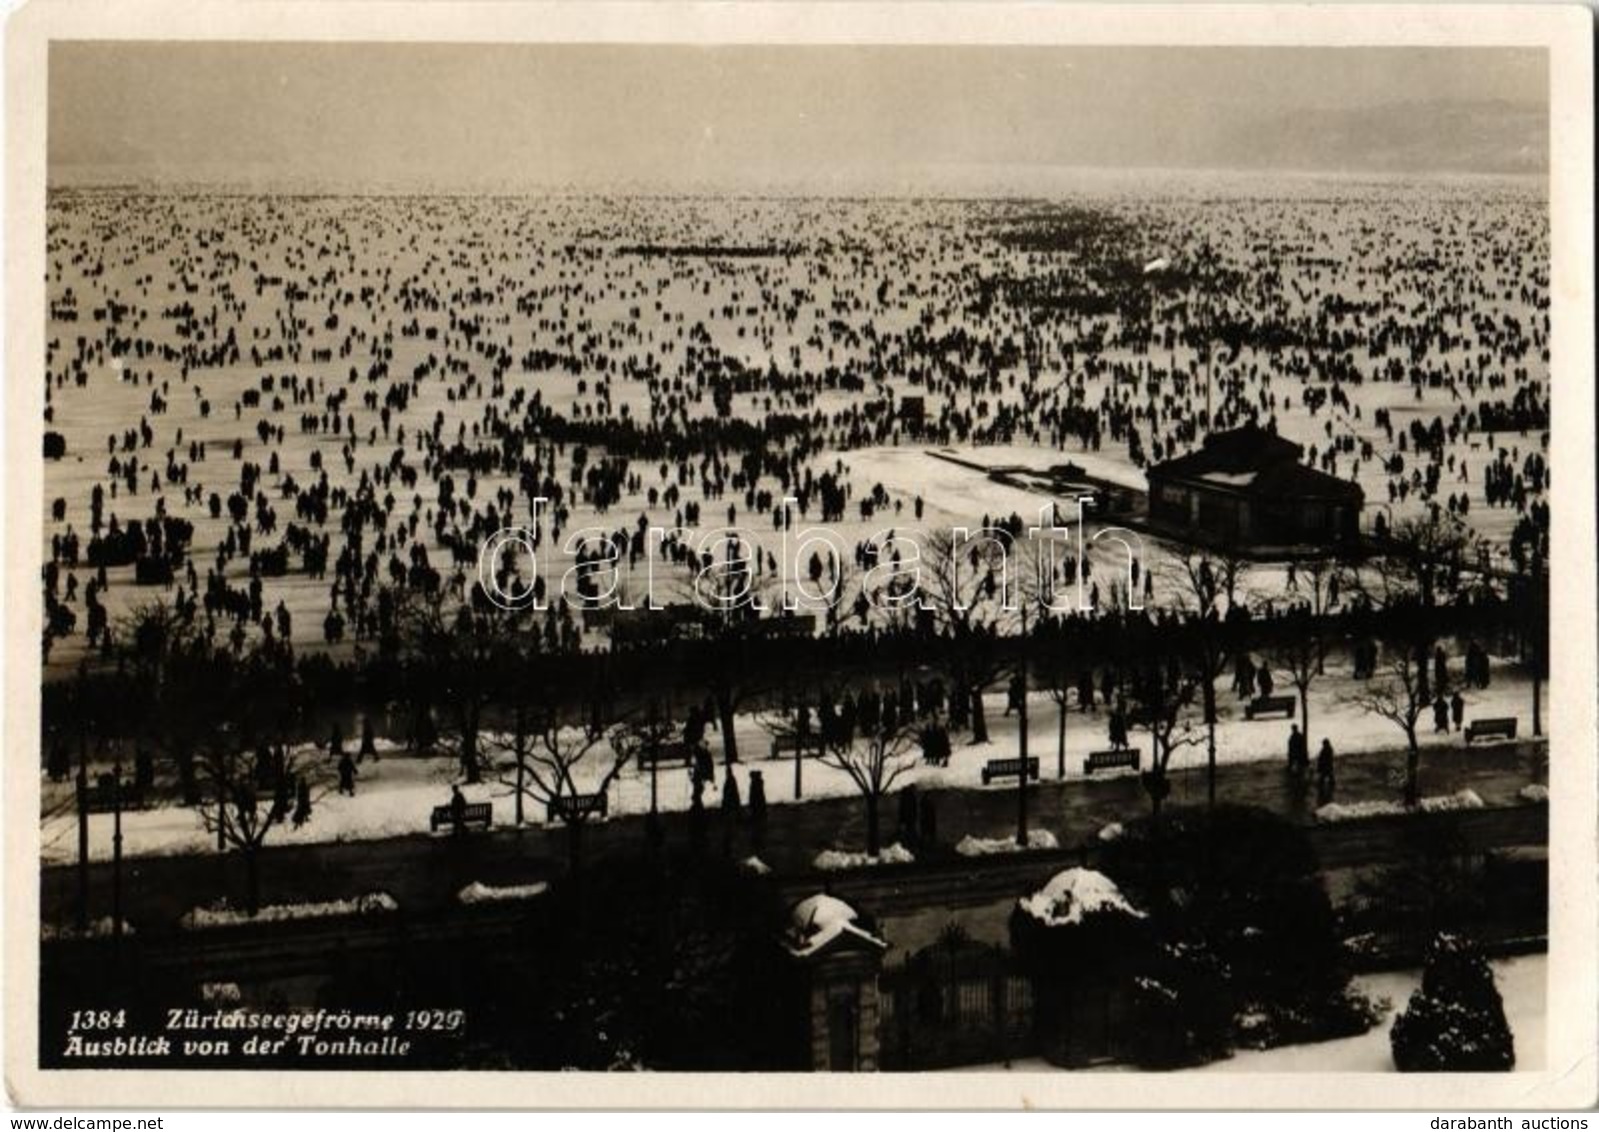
pixel 1324 773
pixel 1298 751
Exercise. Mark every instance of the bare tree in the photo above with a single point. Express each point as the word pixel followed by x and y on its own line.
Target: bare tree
pixel 238 815
pixel 1210 647
pixel 731 595
pixel 1422 555
pixel 1399 697
pixel 462 653
pixel 793 726
pixel 548 761
pixel 643 739
pixel 175 666
pixel 965 592
pixel 1163 694
pixel 874 763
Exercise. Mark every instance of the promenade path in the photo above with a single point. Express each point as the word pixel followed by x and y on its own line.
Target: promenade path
pixel 425 872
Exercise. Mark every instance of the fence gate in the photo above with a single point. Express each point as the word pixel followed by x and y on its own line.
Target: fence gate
pixel 955 1003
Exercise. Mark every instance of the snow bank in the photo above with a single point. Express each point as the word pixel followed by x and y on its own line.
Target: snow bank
pixel 1460 800
pixel 1074 894
pixel 479 893
pixel 1534 793
pixel 221 994
pixel 818 920
pixel 970 846
pixel 832 860
pixel 755 865
pixel 102 928
pixel 222 914
pixel 1111 831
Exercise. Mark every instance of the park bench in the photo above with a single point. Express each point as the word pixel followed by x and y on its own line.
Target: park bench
pixel 1008 768
pixel 573 807
pixel 473 813
pixel 787 744
pixel 678 752
pixel 1491 729
pixel 1111 760
pixel 1269 705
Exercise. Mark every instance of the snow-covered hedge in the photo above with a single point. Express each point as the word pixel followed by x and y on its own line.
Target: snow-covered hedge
pixel 1356 811
pixel 222 914
pixel 479 893
pixel 96 929
pixel 833 860
pixel 970 846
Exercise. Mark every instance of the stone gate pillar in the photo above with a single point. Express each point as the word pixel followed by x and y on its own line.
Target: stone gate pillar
pixel 840 960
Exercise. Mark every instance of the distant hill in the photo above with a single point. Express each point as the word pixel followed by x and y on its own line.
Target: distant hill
pixel 1482 137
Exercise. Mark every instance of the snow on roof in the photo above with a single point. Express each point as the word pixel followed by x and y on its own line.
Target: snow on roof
pixel 1230 479
pixel 1073 894
pixel 818 920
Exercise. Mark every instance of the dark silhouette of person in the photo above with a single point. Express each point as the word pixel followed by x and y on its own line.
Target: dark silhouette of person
pixel 1440 714
pixel 347 774
pixel 457 811
pixel 1457 710
pixel 1324 773
pixel 1013 700
pixel 731 810
pixel 907 813
pixel 757 810
pixel 1298 750
pixel 927 826
pixel 302 802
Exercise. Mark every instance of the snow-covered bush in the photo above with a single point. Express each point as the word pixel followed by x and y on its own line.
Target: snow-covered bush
pixel 1455 1022
pixel 223 914
pixel 1355 811
pixel 479 893
pixel 1078 940
pixel 1244 885
pixel 970 846
pixel 1180 1008
pixel 833 860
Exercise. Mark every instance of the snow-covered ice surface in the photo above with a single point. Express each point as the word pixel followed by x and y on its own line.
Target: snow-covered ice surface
pixel 395 795
pixel 1522 981
pixel 1389 244
pixel 1073 894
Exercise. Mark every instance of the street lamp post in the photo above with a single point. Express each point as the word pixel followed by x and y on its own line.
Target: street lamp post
pixel 116 851
pixel 82 792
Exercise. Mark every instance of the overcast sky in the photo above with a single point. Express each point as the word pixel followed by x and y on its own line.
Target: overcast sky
pixel 869 118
